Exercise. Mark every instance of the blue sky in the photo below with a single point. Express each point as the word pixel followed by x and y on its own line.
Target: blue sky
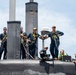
pixel 61 13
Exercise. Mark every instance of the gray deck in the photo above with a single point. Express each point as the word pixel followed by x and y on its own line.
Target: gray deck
pixel 36 67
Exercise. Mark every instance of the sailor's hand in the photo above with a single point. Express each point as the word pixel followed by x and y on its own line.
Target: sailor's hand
pixel 59 34
pixel 28 40
pixel 21 35
pixel 41 37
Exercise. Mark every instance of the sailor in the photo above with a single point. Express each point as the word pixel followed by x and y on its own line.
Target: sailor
pixel 3 38
pixel 23 36
pixel 33 37
pixel 55 41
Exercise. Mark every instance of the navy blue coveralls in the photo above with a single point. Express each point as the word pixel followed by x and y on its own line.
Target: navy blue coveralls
pixel 55 42
pixel 23 53
pixel 33 43
pixel 3 46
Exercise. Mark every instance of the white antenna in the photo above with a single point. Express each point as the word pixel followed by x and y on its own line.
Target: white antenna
pixel 12 10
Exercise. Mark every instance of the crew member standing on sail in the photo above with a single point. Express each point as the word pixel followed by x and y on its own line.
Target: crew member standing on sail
pixel 3 38
pixel 33 37
pixel 55 42
pixel 23 36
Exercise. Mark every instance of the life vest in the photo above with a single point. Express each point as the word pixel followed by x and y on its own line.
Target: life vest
pixel 23 39
pixel 4 37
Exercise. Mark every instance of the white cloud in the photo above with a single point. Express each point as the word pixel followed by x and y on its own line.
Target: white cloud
pixel 20 15
pixel 3 19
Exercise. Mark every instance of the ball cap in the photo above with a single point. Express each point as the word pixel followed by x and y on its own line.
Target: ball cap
pixel 53 26
pixel 4 28
pixel 34 28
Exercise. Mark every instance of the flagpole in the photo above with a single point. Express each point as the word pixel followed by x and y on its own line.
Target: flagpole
pixel 12 10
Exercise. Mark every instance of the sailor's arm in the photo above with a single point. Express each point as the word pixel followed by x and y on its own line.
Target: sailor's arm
pixel 60 33
pixel 21 35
